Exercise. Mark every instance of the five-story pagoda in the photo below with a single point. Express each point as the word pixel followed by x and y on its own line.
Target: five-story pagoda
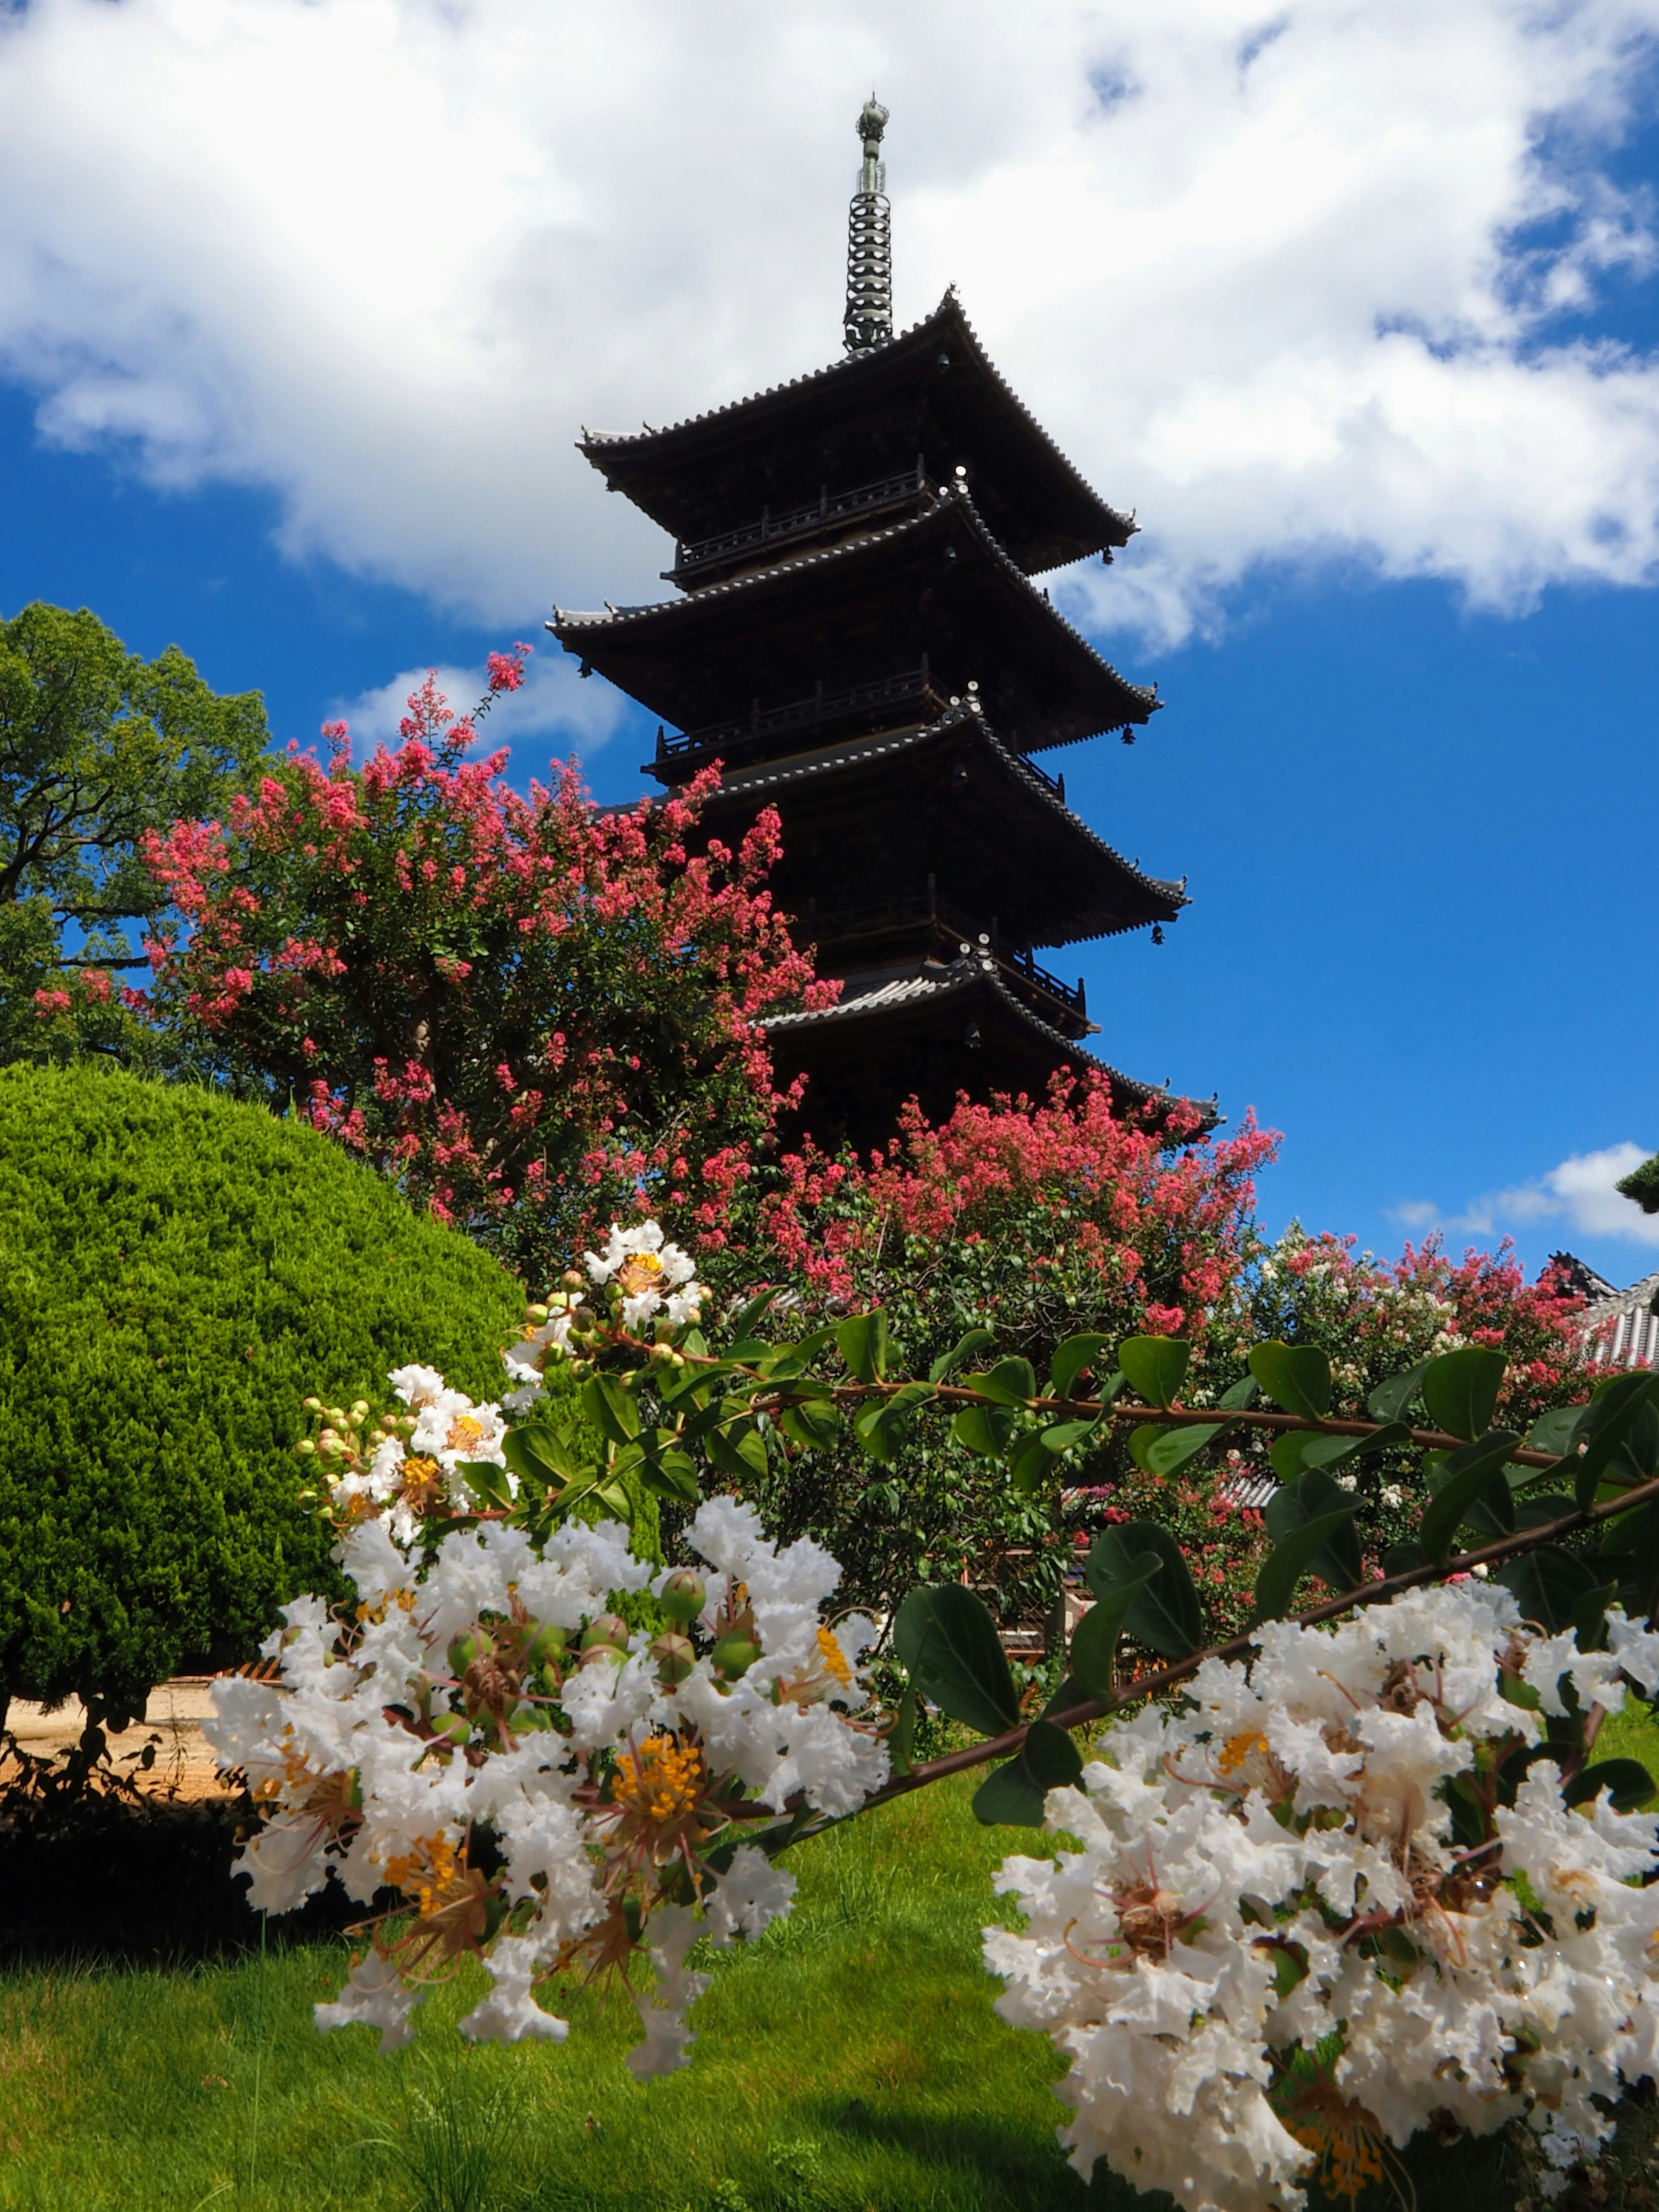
pixel 860 644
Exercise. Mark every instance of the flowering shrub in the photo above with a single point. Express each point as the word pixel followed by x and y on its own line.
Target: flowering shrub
pixel 1296 1875
pixel 1028 1222
pixel 520 1009
pixel 1339 1895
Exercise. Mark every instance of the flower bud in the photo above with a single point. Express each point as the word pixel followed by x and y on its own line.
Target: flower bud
pixel 312 1405
pixel 535 1315
pixel 306 1449
pixel 463 1650
pixel 674 1657
pixel 609 1632
pixel 583 1319
pixel 734 1656
pixel 570 1280
pixel 548 1643
pixel 455 1726
pixel 684 1595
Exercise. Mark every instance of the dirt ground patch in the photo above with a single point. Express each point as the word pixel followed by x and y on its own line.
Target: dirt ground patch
pixel 183 1767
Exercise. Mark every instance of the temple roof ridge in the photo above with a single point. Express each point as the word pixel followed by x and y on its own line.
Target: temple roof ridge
pixel 593 443
pixel 951 498
pixel 802 768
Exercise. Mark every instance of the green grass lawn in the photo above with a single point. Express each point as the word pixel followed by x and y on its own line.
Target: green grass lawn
pixel 852 2060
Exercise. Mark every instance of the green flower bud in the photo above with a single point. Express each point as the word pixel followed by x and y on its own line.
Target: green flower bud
pixel 535 1315
pixel 548 1643
pixel 570 1280
pixel 608 1630
pixel 734 1656
pixel 312 1405
pixel 684 1595
pixel 463 1650
pixel 306 1449
pixel 454 1728
pixel 674 1657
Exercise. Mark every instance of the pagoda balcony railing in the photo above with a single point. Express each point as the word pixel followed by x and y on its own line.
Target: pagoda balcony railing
pixel 848 923
pixel 913 687
pixel 828 509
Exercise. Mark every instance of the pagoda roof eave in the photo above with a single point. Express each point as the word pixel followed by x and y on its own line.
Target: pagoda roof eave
pixel 581 631
pixel 1161 899
pixel 629 459
pixel 897 1002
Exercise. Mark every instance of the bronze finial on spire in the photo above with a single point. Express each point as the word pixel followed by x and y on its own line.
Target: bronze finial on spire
pixel 869 319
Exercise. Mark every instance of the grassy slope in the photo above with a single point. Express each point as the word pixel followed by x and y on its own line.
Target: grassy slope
pixel 853 2062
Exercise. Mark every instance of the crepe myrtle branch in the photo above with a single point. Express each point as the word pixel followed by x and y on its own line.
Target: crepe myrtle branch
pixel 1163 1678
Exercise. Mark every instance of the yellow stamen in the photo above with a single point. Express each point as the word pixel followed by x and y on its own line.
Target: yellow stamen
pixel 663 1783
pixel 834 1658
pixel 1238 1749
pixel 639 1273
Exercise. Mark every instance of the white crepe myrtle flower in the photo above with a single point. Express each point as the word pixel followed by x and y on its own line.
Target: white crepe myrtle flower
pixel 1269 1913
pixel 652 1275
pixel 458 1700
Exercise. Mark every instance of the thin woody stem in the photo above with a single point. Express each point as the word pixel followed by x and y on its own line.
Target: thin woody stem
pixel 1167 1677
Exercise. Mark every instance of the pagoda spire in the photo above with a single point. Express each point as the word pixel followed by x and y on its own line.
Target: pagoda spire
pixel 869 319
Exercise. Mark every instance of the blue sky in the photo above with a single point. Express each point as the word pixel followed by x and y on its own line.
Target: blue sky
pixel 1397 470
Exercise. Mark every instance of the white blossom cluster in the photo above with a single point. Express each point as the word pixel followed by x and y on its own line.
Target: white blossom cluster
pixel 1271 1957
pixel 490 1688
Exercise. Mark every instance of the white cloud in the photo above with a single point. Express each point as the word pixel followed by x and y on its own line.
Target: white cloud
pixel 552 704
pixel 1287 281
pixel 1579 1197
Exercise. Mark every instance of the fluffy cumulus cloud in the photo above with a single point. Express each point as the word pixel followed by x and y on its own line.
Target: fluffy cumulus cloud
pixel 1297 281
pixel 1578 1198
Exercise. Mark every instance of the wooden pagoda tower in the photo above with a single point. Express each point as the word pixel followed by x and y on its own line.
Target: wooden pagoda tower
pixel 860 643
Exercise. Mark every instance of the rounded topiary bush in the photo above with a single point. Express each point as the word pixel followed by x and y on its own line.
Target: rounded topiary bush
pixel 176 1273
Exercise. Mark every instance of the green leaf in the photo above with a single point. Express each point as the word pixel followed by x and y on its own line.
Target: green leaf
pixel 1064 1435
pixel 1095 1638
pixel 1175 1447
pixel 739 1449
pixel 1028 1466
pixel 1314 1495
pixel 540 1456
pixel 743 1321
pixel 984 1428
pixel 1296 1377
pixel 1459 1390
pixel 1284 1566
pixel 486 1481
pixel 612 1410
pixel 1610 1415
pixel 949 1646
pixel 975 1341
pixel 1071 1359
pixel 1391 1397
pixel 1402 1558
pixel 1166 1615
pixel 1539 1512
pixel 1155 1366
pixel 789 1359
pixel 1017 1795
pixel 1463 1475
pixel 1546 1584
pixel 1302 1448
pixel 1010 1382
pixel 811 1423
pixel 1626 1780
pixel 671 1475
pixel 1239 1394
pixel 862 1343
pixel 1554 1431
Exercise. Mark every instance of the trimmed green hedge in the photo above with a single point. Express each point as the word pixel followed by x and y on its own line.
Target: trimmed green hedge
pixel 177 1272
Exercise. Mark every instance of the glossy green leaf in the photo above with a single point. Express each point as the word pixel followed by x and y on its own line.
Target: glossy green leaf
pixel 1403 1559
pixel 1015 1796
pixel 740 1450
pixel 1238 1395
pixel 1613 1413
pixel 1626 1780
pixel 1063 1436
pixel 486 1481
pixel 984 1428
pixel 1463 1475
pixel 968 1347
pixel 540 1456
pixel 742 1323
pixel 1546 1584
pixel 1175 1447
pixel 1166 1615
pixel 1010 1382
pixel 811 1423
pixel 1095 1638
pixel 1284 1566
pixel 671 1475
pixel 1390 1401
pixel 1070 1360
pixel 1459 1390
pixel 901 1739
pixel 1029 1464
pixel 613 1410
pixel 1296 1377
pixel 1314 1496
pixel 949 1646
pixel 1155 1366
pixel 861 1342
pixel 1553 1432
